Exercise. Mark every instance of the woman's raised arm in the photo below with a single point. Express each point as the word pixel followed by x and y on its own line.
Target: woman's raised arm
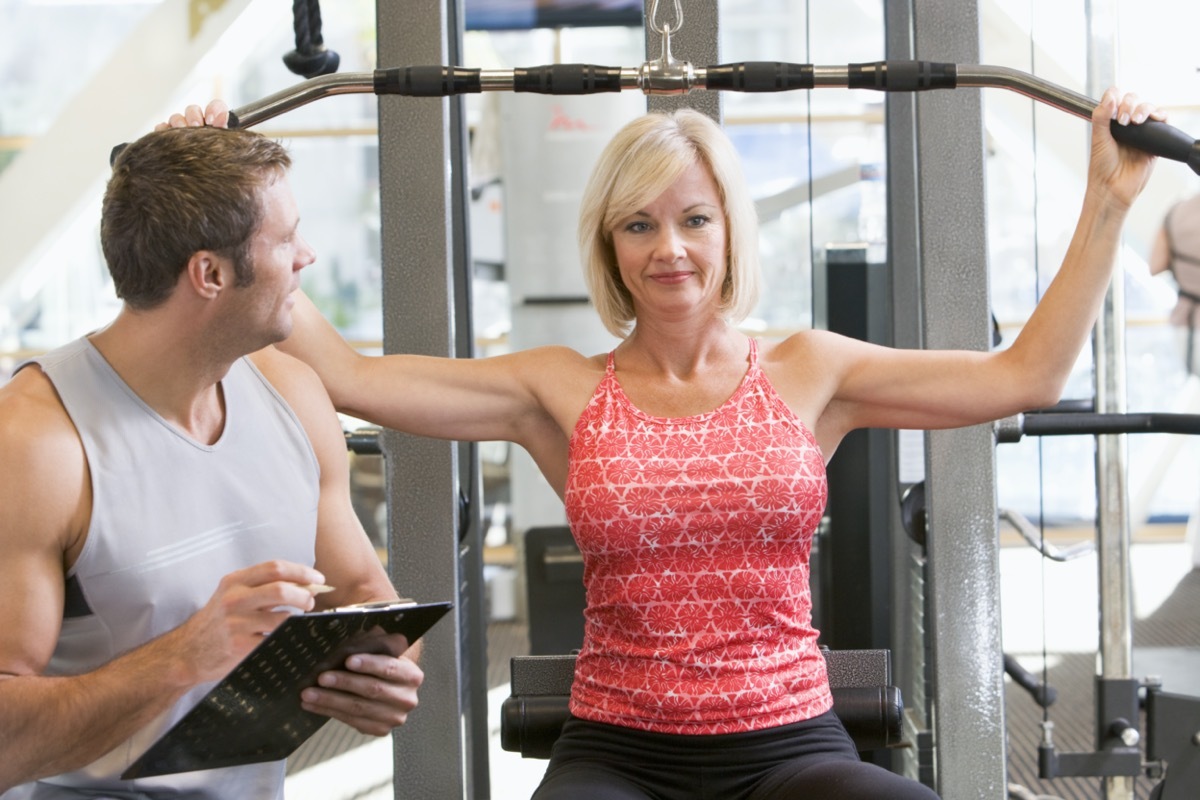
pixel 881 387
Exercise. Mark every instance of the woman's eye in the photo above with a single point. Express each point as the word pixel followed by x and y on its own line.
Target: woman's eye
pixel 637 227
pixel 697 221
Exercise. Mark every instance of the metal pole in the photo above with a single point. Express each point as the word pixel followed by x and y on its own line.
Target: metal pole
pixel 963 590
pixel 1112 512
pixel 909 635
pixel 432 523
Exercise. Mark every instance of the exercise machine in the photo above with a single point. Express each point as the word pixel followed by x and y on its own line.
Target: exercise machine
pixel 1172 720
pixel 422 176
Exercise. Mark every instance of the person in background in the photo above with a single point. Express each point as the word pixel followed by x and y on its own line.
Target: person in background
pixel 691 460
pixel 1176 250
pixel 172 487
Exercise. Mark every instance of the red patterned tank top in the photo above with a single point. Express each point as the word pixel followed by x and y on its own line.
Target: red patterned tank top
pixel 695 533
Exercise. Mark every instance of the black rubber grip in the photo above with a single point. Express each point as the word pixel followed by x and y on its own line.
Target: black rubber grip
pixel 1160 139
pixel 903 76
pixel 434 81
pixel 363 442
pixel 1096 424
pixel 759 76
pixel 567 79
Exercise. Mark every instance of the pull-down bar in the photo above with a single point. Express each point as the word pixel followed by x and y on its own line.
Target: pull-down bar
pixel 1012 429
pixel 657 77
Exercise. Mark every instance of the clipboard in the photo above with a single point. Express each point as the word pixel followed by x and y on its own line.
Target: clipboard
pixel 254 713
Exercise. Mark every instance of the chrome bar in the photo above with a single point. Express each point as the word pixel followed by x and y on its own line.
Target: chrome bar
pixel 666 76
pixel 293 97
pixel 496 80
pixel 974 75
pixel 831 76
pixel 660 76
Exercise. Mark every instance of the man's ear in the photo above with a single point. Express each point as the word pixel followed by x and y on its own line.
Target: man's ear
pixel 207 274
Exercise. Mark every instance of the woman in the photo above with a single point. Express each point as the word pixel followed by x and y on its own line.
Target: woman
pixel 691 461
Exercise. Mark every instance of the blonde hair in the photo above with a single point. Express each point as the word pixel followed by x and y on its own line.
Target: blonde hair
pixel 640 163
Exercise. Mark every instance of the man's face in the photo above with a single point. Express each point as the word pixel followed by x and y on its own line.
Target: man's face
pixel 277 254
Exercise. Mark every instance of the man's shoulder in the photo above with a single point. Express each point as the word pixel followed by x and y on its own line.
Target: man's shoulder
pixel 42 462
pixel 30 408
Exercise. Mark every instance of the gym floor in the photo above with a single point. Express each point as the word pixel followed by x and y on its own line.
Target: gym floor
pixel 339 764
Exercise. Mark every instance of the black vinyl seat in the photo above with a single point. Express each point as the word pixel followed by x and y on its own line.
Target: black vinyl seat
pixel 871 709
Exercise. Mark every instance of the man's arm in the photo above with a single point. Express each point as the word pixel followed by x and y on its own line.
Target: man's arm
pixel 374 693
pixel 56 724
pixel 51 724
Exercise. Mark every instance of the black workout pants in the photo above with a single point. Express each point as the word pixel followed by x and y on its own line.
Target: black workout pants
pixel 812 759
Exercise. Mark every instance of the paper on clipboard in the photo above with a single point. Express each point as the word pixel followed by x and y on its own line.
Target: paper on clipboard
pixel 254 713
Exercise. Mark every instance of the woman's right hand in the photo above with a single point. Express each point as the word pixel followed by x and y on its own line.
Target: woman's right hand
pixel 216 114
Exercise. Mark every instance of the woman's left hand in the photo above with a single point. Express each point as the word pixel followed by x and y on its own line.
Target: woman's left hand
pixel 1122 170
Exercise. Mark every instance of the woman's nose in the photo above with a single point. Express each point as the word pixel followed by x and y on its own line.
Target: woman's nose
pixel 668 246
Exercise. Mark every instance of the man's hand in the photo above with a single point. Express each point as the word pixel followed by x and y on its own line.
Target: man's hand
pixel 247 605
pixel 373 694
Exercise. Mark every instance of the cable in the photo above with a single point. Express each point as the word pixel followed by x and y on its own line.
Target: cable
pixel 808 127
pixel 1037 292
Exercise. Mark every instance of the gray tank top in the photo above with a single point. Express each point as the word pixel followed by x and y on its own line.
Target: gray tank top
pixel 170 518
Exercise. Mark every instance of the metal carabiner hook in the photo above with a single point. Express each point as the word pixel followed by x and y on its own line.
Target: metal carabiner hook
pixel 663 29
pixel 666 75
pixel 665 58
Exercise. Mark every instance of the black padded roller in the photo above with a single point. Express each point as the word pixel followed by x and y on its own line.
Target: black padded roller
pixel 434 81
pixel 759 76
pixel 903 76
pixel 567 79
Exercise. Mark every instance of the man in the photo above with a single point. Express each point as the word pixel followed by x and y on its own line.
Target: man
pixel 166 498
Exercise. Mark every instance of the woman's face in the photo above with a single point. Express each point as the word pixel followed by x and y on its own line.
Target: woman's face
pixel 671 253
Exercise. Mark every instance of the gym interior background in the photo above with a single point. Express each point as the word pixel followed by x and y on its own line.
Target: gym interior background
pixel 77 77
